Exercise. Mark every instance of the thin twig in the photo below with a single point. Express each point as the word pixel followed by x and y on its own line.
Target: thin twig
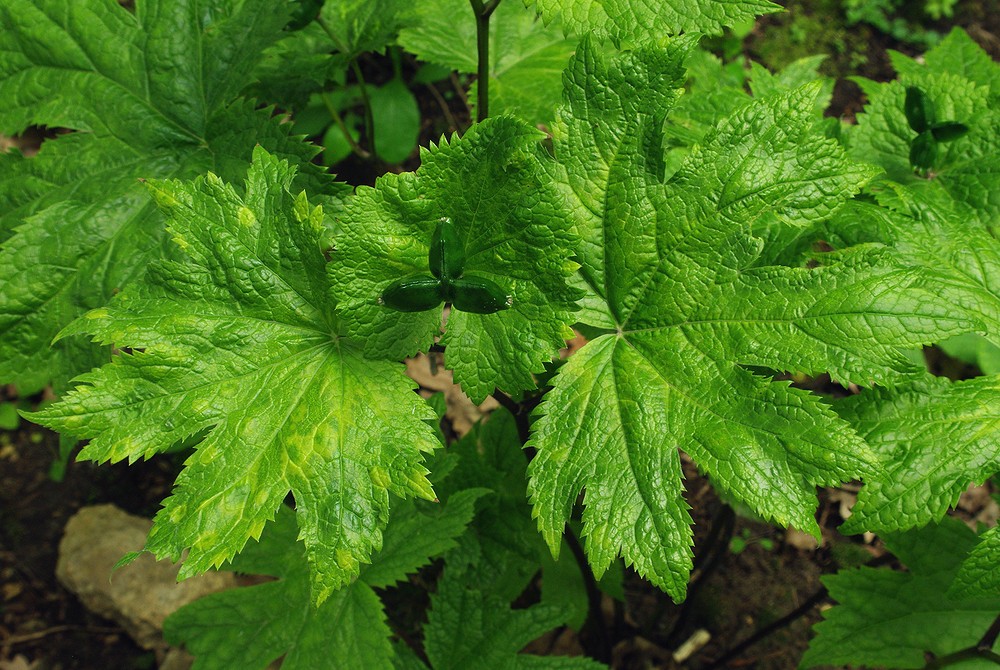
pixel 38 635
pixel 359 76
pixel 457 85
pixel 520 416
pixel 981 650
pixel 800 611
pixel 989 638
pixel 355 147
pixel 452 122
pixel 966 654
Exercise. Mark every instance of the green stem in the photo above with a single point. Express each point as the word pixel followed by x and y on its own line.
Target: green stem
pixel 339 120
pixel 369 118
pixel 483 13
pixel 359 76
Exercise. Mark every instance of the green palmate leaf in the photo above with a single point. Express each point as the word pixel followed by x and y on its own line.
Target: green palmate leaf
pixel 471 627
pixel 155 92
pixel 978 575
pixel 891 619
pixel 238 337
pixel 348 630
pixel 493 186
pixel 527 57
pixel 935 438
pixel 626 21
pixel 687 306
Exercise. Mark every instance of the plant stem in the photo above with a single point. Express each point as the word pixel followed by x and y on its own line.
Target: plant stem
pixel 483 13
pixel 452 122
pixel 355 147
pixel 518 411
pixel 595 623
pixel 800 611
pixel 359 76
pixel 990 637
pixel 982 649
pixel 369 117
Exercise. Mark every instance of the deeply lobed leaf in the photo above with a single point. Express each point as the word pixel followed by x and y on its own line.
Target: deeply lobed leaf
pixel 154 94
pixel 673 265
pixel 238 338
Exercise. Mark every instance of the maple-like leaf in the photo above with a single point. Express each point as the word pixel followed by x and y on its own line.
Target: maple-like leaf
pixel 239 338
pixel 527 57
pixel 935 437
pixel 671 270
pixel 493 184
pixel 890 619
pixel 348 630
pixel 153 93
pixel 636 21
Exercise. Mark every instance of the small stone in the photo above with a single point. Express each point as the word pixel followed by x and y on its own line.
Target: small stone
pixel 138 596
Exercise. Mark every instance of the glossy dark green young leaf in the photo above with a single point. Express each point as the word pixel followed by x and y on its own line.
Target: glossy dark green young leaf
pixel 923 151
pixel 447 252
pixel 412 294
pixel 479 295
pixel 919 109
pixel 951 130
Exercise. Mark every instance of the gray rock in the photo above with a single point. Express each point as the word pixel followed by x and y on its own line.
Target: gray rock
pixel 138 596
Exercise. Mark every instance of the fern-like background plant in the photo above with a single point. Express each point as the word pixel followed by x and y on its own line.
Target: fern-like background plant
pixel 185 276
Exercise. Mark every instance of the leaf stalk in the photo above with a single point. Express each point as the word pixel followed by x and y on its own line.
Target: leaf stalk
pixel 483 12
